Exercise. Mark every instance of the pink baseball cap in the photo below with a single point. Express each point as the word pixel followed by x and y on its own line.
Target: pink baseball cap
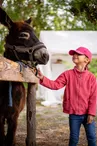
pixel 83 51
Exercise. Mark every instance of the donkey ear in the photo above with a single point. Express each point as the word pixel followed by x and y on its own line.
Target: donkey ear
pixel 5 19
pixel 29 20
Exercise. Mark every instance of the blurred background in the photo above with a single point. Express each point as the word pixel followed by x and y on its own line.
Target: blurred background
pixel 62 25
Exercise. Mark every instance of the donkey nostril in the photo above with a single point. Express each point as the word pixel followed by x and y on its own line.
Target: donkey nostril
pixel 45 56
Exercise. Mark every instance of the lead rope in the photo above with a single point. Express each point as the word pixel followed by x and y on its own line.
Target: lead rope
pixel 10 104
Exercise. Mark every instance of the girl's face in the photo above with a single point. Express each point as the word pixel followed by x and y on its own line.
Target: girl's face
pixel 79 59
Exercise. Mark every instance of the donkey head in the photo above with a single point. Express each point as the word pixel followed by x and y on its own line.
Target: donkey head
pixel 21 42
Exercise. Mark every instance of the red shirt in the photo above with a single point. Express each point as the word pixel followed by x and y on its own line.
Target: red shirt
pixel 80 92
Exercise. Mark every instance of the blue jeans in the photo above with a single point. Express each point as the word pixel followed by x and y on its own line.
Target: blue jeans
pixel 75 122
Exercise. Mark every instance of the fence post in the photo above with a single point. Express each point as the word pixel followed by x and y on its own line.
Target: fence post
pixel 31 115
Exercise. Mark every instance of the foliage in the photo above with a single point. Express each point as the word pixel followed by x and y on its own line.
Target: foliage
pixel 45 16
pixel 88 7
pixel 93 66
pixel 50 15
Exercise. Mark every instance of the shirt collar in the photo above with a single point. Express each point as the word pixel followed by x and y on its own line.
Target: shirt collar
pixel 78 71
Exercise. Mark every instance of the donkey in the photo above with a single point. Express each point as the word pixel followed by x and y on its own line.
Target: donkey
pixel 21 44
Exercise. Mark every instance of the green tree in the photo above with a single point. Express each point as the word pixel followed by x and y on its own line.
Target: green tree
pixel 45 16
pixel 86 7
pixel 49 15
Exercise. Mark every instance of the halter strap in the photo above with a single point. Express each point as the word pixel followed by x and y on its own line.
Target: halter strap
pixel 21 49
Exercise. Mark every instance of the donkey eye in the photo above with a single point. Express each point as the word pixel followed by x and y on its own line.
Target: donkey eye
pixel 24 35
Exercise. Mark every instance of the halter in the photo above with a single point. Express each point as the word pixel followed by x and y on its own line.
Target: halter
pixel 29 50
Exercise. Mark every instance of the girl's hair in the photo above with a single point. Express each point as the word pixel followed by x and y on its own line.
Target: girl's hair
pixel 87 65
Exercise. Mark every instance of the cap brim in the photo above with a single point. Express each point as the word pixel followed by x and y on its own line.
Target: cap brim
pixel 72 52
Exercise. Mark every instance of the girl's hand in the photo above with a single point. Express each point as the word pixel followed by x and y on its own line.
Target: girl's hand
pixel 40 75
pixel 90 119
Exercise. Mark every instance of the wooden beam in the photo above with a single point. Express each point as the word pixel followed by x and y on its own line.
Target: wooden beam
pixel 10 71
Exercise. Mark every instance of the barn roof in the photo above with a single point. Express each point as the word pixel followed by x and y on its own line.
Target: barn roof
pixel 63 41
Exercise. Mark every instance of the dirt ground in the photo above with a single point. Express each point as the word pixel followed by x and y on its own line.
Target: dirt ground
pixel 51 127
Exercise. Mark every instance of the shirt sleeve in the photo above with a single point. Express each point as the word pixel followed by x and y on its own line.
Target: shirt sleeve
pixel 56 84
pixel 92 99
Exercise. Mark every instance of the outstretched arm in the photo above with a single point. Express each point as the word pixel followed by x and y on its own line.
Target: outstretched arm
pixel 54 85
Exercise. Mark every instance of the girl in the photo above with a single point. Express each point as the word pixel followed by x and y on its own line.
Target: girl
pixel 79 96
